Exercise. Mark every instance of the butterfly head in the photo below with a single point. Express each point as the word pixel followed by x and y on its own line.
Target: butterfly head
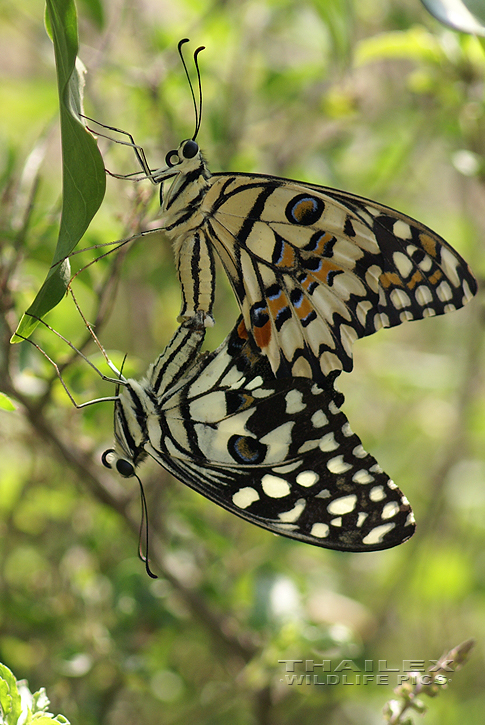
pixel 129 432
pixel 110 459
pixel 185 164
pixel 186 152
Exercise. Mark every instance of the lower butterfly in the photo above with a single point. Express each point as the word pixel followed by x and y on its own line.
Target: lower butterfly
pixel 313 268
pixel 277 452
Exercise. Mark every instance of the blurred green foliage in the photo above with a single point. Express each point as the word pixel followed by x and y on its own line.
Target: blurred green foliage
pixel 372 96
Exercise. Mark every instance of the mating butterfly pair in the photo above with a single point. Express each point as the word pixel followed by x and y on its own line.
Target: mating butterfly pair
pixel 256 426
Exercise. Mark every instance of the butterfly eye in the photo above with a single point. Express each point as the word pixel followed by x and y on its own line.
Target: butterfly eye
pixel 125 468
pixel 105 458
pixel 172 155
pixel 190 149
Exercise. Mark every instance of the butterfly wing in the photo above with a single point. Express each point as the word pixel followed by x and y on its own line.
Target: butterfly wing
pixel 278 453
pixel 315 268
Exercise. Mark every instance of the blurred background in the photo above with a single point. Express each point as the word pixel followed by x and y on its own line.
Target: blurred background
pixel 374 97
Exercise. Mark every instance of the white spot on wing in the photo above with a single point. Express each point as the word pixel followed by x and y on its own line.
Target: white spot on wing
pixel 449 264
pixel 307 478
pixel 338 465
pixel 320 531
pixel 319 419
pixel 403 264
pixel 372 277
pixel 426 264
pixel 346 429
pixel 344 505
pixel 362 517
pixel 255 383
pixel 294 402
pixel 444 291
pixel 294 513
pixel 423 295
pixel 362 309
pixel 348 336
pixel 363 477
pixel 332 407
pixel 399 299
pixel 262 392
pixel 278 441
pixel 308 445
pixel 376 535
pixel 328 443
pixel 245 497
pixel 377 493
pixel 390 510
pixel 274 486
pixel 403 231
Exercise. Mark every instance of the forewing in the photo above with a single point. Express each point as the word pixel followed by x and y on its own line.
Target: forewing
pixel 315 268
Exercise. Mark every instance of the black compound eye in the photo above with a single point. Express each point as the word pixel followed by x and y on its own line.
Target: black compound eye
pixel 125 468
pixel 190 149
pixel 172 158
pixel 105 458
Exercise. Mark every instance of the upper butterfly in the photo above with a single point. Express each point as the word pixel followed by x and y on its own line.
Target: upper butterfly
pixel 313 268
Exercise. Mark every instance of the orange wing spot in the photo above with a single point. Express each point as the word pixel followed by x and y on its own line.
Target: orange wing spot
pixel 325 269
pixel 320 248
pixel 415 279
pixel 388 279
pixel 242 331
pixel 276 304
pixel 288 258
pixel 304 309
pixel 436 276
pixel 306 282
pixel 262 335
pixel 429 244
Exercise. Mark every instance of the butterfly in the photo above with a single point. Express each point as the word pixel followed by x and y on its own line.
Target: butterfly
pixel 278 452
pixel 313 268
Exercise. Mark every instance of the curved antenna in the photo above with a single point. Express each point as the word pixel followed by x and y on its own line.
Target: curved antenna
pixel 196 62
pixel 144 527
pixel 197 111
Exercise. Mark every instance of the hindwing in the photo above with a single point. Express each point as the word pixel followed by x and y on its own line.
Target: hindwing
pixel 277 452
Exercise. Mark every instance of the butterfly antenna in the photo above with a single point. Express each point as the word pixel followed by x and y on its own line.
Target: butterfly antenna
pixel 144 525
pixel 58 371
pixel 199 81
pixel 196 110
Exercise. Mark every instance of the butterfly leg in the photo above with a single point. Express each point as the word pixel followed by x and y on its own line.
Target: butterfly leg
pixel 196 271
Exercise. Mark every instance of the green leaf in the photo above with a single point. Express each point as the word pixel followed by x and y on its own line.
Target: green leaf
pixel 6 403
pixel 9 697
pixel 468 16
pixel 83 175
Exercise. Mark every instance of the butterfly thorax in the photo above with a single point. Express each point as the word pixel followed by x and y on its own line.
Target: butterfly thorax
pixel 138 410
pixel 181 203
pixel 183 219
